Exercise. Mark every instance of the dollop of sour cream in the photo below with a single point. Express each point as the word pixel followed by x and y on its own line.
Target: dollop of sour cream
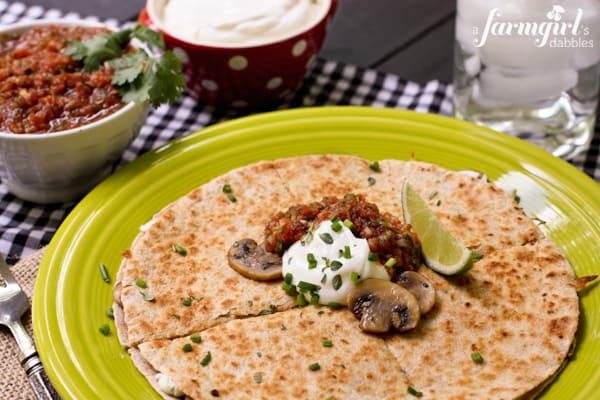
pixel 331 261
pixel 240 22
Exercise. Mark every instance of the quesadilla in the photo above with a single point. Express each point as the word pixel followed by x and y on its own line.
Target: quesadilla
pixel 517 308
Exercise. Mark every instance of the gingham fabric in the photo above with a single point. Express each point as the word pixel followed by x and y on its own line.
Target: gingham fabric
pixel 25 227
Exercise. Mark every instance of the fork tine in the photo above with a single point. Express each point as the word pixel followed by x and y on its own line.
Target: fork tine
pixel 6 274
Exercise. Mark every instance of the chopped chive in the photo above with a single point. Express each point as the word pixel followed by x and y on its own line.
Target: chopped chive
pixel 196 338
pixel 250 303
pixel 438 203
pixel 187 302
pixel 349 224
pixel 414 391
pixel 375 166
pixel 324 279
pixel 354 277
pixel 204 362
pixel 110 313
pixel 258 378
pixel 179 250
pixel 231 197
pixel 279 247
pixel 476 357
pixel 336 226
pixel 327 343
pixel 104 273
pixel 288 287
pixel 141 283
pixel 333 305
pixel 308 287
pixel 336 282
pixel 227 188
pixel 258 354
pixel 104 329
pixel 476 256
pixel 314 299
pixel 347 253
pixel 272 307
pixel 433 194
pixel 335 265
pixel 288 278
pixel 371 181
pixel 187 348
pixel 264 312
pixel 300 300
pixel 314 366
pixel 326 237
pixel 312 261
pixel 390 263
pixel 373 256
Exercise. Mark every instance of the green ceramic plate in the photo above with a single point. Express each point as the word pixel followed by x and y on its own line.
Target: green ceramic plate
pixel 71 297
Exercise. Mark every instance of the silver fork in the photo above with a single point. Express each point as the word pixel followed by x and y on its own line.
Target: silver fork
pixel 13 304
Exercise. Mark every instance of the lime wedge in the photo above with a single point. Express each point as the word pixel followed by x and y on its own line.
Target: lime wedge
pixel 442 252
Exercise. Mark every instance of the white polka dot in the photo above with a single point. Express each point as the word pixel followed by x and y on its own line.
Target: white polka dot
pixel 311 61
pixel 52 13
pixel 285 93
pixel 8 18
pixel 209 85
pixel 16 8
pixel 72 16
pixel 238 63
pixel 35 12
pixel 239 103
pixel 299 48
pixel 274 83
pixel 183 56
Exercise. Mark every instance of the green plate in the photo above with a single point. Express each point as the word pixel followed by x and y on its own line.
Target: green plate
pixel 70 296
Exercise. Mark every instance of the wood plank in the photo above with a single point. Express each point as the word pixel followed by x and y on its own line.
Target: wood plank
pixel 429 57
pixel 365 32
pixel 121 10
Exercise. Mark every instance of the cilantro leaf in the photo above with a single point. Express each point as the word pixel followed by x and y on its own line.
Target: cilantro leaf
pixel 169 82
pixel 149 36
pixel 128 67
pixel 139 75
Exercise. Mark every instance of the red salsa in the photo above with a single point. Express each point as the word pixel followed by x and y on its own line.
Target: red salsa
pixel 386 235
pixel 43 90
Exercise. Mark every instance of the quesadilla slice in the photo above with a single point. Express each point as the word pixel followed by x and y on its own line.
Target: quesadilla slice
pixel 164 293
pixel 497 332
pixel 304 353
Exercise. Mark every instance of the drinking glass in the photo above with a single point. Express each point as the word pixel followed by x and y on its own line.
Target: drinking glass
pixel 530 68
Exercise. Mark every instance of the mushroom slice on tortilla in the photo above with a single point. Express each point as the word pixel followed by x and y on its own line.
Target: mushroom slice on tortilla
pixel 420 287
pixel 253 261
pixel 381 305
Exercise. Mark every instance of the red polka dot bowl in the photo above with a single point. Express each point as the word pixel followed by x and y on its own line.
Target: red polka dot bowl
pixel 243 76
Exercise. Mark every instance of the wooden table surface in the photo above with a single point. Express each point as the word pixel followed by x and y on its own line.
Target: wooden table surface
pixel 410 38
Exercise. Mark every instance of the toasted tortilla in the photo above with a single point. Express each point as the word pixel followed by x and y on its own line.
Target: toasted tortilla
pixel 517 307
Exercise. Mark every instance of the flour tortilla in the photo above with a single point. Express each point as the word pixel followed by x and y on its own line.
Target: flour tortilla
pixel 517 307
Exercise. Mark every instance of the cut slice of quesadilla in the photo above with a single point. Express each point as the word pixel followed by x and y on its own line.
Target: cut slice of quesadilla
pixel 517 309
pixel 191 292
pixel 306 353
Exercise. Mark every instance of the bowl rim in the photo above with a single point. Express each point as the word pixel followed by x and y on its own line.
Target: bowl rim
pixel 153 19
pixel 28 24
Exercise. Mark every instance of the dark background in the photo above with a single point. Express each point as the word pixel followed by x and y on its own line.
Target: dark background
pixel 410 38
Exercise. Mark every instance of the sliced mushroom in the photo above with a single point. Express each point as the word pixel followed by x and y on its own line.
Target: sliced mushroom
pixel 253 261
pixel 420 287
pixel 381 305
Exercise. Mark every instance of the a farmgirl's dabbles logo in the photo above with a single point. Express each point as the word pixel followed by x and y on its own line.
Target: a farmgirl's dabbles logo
pixel 554 31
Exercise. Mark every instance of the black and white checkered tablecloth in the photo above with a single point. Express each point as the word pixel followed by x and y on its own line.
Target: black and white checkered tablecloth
pixel 25 226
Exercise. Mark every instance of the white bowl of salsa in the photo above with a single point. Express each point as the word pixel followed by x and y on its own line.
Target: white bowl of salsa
pixel 61 129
